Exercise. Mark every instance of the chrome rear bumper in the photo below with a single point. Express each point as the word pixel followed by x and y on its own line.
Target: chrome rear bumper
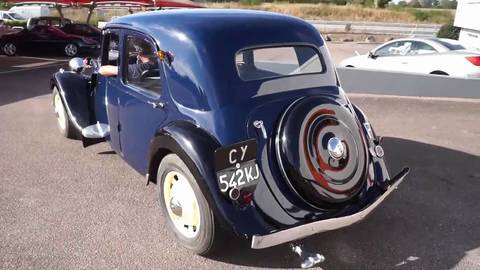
pixel 280 237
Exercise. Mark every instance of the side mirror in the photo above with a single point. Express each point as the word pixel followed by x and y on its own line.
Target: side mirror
pixel 372 55
pixel 76 65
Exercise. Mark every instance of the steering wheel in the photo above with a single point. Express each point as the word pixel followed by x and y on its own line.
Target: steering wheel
pixel 149 73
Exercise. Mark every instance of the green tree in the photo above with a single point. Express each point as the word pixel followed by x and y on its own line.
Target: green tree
pixel 449 31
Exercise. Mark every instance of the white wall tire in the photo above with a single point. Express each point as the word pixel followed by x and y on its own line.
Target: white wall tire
pixel 71 49
pixel 193 225
pixel 9 49
pixel 63 120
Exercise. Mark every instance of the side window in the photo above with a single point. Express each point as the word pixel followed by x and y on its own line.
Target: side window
pixel 422 48
pixel 142 66
pixel 110 49
pixel 399 48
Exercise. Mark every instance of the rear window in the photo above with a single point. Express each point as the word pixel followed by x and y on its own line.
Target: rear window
pixel 453 46
pixel 262 63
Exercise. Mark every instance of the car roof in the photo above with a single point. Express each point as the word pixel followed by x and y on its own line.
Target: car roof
pixel 204 43
pixel 194 21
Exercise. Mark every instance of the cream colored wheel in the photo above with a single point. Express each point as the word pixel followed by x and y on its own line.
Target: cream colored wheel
pixel 181 204
pixel 64 125
pixel 184 206
pixel 59 111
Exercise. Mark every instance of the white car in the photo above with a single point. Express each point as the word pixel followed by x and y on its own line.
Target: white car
pixel 420 55
pixel 7 16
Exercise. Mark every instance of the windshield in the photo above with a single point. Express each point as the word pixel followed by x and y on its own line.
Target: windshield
pixel 16 16
pixel 262 63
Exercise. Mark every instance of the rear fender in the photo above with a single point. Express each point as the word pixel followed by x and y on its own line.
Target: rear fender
pixel 77 96
pixel 196 148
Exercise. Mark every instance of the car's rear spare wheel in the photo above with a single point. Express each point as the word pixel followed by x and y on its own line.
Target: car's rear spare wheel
pixel 185 208
pixel 321 149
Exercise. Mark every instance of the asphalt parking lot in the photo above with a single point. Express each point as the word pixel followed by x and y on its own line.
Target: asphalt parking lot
pixel 65 207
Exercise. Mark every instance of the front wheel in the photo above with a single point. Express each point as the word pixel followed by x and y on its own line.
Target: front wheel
pixel 63 121
pixel 71 49
pixel 9 49
pixel 185 208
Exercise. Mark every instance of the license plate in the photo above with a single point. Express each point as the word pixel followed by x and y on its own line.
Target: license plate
pixel 236 165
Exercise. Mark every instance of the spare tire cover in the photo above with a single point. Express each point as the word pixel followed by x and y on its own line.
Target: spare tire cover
pixel 321 177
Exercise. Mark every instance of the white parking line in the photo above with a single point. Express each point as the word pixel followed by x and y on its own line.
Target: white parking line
pixel 33 68
pixel 38 64
pixel 38 58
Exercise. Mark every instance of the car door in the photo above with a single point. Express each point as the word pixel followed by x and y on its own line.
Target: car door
pixel 38 37
pixel 141 110
pixel 108 90
pixel 420 59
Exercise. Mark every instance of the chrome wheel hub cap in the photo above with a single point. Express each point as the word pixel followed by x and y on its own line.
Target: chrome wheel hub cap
pixel 336 148
pixel 181 203
pixel 9 49
pixel 70 50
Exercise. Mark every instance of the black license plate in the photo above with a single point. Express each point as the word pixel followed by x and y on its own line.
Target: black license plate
pixel 236 165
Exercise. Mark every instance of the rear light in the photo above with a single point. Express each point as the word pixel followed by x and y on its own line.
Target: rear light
pixel 474 60
pixel 246 197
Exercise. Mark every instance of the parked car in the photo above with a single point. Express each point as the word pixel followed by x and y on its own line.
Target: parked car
pixel 8 16
pixel 84 30
pixel 5 29
pixel 244 131
pixel 420 55
pixel 43 38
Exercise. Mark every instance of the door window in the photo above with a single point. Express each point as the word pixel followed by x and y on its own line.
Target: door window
pixel 422 48
pixel 398 48
pixel 110 49
pixel 142 68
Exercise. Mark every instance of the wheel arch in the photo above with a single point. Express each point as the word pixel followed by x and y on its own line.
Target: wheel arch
pixel 196 147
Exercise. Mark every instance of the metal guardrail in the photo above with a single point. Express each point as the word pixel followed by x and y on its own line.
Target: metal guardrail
pixel 419 30
pixel 364 81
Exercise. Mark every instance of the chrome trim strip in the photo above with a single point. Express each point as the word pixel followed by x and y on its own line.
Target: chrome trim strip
pixel 302 231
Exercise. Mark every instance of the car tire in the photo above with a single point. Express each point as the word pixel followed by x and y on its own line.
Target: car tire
pixel 186 213
pixel 9 49
pixel 71 49
pixel 439 72
pixel 64 123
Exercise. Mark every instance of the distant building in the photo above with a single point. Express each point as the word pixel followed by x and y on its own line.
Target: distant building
pixel 467 19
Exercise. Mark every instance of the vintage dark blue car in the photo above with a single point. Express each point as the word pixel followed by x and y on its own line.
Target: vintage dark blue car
pixel 237 116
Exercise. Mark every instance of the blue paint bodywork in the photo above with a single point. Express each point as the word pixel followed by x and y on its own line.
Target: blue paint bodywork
pixel 207 105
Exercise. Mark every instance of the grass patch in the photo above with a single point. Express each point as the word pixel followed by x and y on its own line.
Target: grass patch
pixel 348 12
pixel 436 16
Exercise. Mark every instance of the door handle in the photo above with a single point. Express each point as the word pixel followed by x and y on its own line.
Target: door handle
pixel 155 105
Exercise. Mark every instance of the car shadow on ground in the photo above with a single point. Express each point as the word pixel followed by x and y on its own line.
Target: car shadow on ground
pixel 26 83
pixel 431 222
